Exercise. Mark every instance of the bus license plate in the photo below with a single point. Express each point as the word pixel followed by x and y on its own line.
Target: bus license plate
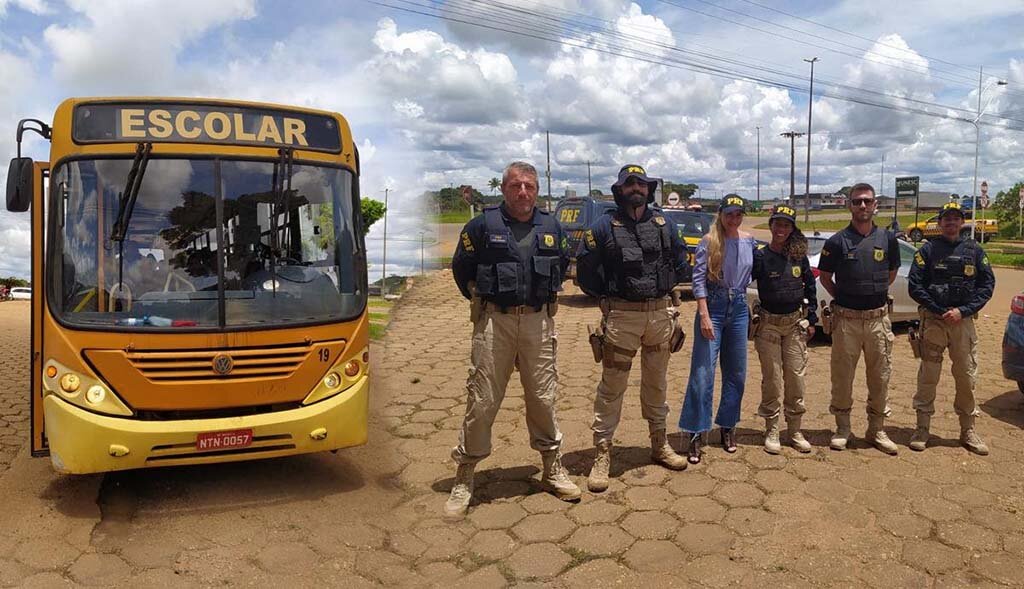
pixel 239 438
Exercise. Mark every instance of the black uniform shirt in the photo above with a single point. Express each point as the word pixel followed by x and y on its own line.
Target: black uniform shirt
pixel 939 249
pixel 831 260
pixel 810 287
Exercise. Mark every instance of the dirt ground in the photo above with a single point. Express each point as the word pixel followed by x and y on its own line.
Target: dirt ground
pixel 371 515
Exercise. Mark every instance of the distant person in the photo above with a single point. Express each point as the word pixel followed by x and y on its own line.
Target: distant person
pixel 857 265
pixel 951 279
pixel 721 274
pixel 510 261
pixel 788 295
pixel 631 258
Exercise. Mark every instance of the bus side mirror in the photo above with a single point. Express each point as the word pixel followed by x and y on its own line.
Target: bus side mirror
pixel 19 184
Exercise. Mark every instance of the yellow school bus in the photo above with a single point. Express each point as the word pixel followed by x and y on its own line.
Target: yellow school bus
pixel 199 283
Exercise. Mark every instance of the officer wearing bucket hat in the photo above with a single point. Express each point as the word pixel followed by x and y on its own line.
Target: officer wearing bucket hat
pixel 631 259
pixel 787 294
pixel 951 279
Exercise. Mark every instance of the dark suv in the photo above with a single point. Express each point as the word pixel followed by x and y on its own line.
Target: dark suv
pixel 576 214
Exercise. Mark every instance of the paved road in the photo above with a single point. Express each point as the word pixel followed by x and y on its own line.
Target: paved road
pixel 371 515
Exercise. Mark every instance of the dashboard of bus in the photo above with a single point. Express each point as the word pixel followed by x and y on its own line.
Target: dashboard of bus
pixel 206 243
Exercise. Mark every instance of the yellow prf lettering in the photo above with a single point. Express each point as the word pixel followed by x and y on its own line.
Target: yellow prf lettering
pixel 240 132
pixel 295 130
pixel 268 130
pixel 132 123
pixel 182 119
pixel 225 125
pixel 160 121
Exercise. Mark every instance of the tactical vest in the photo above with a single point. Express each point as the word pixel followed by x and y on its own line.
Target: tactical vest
pixel 865 266
pixel 953 277
pixel 501 273
pixel 641 265
pixel 782 282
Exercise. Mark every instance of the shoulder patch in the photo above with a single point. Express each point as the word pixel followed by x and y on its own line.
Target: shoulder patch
pixel 467 244
pixel 659 220
pixel 919 259
pixel 984 260
pixel 761 246
pixel 589 238
pixel 825 252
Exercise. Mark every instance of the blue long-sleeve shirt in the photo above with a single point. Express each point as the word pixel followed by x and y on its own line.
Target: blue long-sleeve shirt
pixel 737 265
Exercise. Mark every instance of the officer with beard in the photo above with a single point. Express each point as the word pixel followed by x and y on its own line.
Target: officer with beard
pixel 630 259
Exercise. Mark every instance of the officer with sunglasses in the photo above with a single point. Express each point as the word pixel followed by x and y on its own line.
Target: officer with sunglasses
pixel 857 266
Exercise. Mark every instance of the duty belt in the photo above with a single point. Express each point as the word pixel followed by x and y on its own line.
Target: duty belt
pixel 651 305
pixel 786 319
pixel 513 310
pixel 855 314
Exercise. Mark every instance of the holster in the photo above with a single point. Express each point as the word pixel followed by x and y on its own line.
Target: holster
pixel 888 304
pixel 915 342
pixel 476 307
pixel 678 335
pixel 754 324
pixel 597 342
pixel 826 318
pixel 677 297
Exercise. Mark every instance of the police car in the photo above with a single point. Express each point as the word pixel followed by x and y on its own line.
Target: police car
pixel 904 308
pixel 576 214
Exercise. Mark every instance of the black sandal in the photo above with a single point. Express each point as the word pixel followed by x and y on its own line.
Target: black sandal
pixel 728 440
pixel 693 454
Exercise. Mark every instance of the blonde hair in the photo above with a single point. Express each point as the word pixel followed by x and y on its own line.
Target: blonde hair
pixel 716 249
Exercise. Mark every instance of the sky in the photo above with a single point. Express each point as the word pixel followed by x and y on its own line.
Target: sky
pixel 436 101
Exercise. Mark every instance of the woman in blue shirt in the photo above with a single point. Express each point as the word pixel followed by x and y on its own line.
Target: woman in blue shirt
pixel 721 273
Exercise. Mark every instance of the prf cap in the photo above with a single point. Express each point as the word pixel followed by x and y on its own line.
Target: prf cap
pixel 732 202
pixel 951 208
pixel 783 212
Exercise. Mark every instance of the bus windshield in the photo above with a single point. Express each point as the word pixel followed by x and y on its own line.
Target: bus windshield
pixel 211 243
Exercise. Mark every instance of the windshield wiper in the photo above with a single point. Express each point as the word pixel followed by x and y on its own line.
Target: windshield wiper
pixel 126 204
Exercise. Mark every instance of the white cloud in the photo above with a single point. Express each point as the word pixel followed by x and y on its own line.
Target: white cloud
pixel 34 6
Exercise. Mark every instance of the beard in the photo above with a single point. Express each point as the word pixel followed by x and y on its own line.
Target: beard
pixel 636 199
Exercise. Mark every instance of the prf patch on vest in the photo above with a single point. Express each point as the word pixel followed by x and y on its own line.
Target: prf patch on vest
pixel 919 259
pixel 796 271
pixel 589 238
pixel 549 240
pixel 879 254
pixel 969 270
pixel 659 221
pixel 467 244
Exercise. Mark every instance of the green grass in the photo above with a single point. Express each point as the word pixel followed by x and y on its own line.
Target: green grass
pixel 379 303
pixel 381 317
pixel 1006 259
pixel 452 217
pixel 837 224
pixel 377 331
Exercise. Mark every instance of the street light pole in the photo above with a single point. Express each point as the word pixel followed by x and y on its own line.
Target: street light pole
pixel 590 188
pixel 810 104
pixel 977 148
pixel 758 163
pixel 792 163
pixel 384 255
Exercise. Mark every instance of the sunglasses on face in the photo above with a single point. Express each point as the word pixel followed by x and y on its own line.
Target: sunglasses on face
pixel 862 201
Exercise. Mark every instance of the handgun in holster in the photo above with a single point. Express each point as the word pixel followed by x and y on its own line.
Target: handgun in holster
pixel 596 338
pixel 915 342
pixel 826 318
pixel 754 325
pixel 476 304
pixel 677 296
pixel 678 335
pixel 888 303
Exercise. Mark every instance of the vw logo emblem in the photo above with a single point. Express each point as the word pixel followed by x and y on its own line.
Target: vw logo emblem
pixel 222 364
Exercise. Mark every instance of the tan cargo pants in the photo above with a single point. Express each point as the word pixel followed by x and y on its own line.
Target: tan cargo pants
pixel 962 342
pixel 781 346
pixel 502 342
pixel 853 332
pixel 626 332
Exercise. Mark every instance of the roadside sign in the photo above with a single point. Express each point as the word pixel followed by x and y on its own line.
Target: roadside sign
pixel 984 188
pixel 673 198
pixel 983 201
pixel 908 186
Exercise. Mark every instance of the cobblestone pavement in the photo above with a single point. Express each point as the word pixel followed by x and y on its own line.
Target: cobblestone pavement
pixel 14 350
pixel 371 515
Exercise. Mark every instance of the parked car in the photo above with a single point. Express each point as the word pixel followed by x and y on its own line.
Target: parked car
pixel 1013 343
pixel 20 292
pixel 904 308
pixel 576 214
pixel 691 225
pixel 929 228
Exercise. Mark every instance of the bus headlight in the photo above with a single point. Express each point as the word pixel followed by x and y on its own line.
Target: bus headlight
pixel 340 377
pixel 352 368
pixel 95 394
pixel 70 383
pixel 332 380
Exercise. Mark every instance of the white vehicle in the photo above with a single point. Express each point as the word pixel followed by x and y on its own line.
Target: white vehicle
pixel 20 292
pixel 904 308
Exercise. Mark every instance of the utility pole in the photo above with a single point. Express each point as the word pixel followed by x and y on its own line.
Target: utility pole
pixel 547 134
pixel 792 162
pixel 421 254
pixel 590 188
pixel 758 163
pixel 810 104
pixel 384 256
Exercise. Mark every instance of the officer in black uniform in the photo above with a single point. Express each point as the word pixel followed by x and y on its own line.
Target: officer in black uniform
pixel 510 261
pixel 632 259
pixel 786 317
pixel 863 259
pixel 951 279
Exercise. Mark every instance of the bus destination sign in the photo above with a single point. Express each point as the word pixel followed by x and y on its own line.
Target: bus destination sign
pixel 204 123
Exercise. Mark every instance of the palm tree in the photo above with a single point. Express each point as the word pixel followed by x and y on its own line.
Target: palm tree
pixel 494 183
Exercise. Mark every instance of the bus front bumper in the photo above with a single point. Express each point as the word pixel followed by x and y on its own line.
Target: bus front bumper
pixel 82 442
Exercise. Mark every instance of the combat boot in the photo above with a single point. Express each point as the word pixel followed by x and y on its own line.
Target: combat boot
pixel 555 479
pixel 598 479
pixel 771 435
pixel 919 440
pixel 663 454
pixel 842 435
pixel 462 492
pixel 877 436
pixel 796 437
pixel 970 438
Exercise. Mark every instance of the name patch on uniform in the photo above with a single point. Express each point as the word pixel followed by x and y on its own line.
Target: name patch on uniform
pixel 879 254
pixel 796 271
pixel 467 244
pixel 969 270
pixel 549 240
pixel 497 239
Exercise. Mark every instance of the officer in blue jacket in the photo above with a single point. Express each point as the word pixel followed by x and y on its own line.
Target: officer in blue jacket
pixel 952 280
pixel 510 261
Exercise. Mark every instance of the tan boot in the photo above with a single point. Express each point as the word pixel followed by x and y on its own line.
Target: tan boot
pixel 970 438
pixel 877 437
pixel 771 435
pixel 842 435
pixel 462 492
pixel 598 479
pixel 796 437
pixel 663 454
pixel 919 440
pixel 555 479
